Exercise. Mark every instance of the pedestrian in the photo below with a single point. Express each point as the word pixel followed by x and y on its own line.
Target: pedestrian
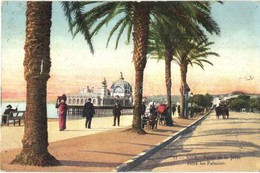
pixel 152 109
pixel 117 112
pixel 7 113
pixel 88 112
pixel 62 111
pixel 143 108
pixel 173 109
pixel 179 110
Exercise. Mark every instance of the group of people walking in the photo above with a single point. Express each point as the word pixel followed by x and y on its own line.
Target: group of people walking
pixel 161 110
pixel 88 112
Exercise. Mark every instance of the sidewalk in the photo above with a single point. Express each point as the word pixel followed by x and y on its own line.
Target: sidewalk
pixel 217 145
pixel 11 136
pixel 100 149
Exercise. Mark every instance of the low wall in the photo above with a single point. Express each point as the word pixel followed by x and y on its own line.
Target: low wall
pixel 101 111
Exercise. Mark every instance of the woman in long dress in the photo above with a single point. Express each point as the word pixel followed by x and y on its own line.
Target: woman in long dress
pixel 62 111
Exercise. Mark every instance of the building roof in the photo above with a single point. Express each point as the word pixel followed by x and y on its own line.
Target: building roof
pixel 121 83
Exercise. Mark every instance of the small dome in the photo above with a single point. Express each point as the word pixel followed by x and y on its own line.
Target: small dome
pixel 122 87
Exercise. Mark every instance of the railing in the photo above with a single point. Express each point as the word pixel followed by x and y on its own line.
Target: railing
pixel 101 111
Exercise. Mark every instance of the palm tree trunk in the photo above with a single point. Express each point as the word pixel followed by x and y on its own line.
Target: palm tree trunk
pixel 36 72
pixel 140 36
pixel 182 88
pixel 168 80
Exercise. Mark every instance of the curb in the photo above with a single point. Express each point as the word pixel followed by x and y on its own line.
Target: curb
pixel 134 161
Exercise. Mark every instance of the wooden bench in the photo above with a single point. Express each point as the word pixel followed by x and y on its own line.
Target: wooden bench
pixel 16 117
pixel 144 120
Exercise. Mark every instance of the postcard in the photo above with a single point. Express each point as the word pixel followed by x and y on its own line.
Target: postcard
pixel 120 86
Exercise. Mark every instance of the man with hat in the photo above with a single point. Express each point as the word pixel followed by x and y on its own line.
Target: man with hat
pixel 117 112
pixel 88 112
pixel 6 113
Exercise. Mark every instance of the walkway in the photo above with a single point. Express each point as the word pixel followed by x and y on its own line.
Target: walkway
pixel 216 145
pixel 100 149
pixel 11 136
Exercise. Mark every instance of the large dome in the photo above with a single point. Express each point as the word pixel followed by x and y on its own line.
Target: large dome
pixel 121 88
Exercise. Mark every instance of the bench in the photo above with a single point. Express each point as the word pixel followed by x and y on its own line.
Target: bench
pixel 15 116
pixel 144 120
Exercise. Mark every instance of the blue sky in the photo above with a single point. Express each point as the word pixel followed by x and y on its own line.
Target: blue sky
pixel 238 46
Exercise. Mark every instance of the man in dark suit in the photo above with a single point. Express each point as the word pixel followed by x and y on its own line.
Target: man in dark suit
pixel 6 113
pixel 88 112
pixel 117 112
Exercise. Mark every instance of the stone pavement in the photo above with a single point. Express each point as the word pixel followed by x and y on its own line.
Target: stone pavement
pixel 100 149
pixel 216 145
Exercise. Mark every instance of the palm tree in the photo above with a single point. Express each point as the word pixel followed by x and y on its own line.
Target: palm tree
pixel 162 42
pixel 132 15
pixel 164 37
pixel 192 53
pixel 37 65
pixel 36 72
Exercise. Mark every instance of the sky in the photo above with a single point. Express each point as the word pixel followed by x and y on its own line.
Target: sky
pixel 74 67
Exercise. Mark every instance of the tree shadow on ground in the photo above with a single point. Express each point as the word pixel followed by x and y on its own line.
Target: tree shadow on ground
pixel 209 157
pixel 88 164
pixel 230 121
pixel 132 143
pixel 105 152
pixel 229 132
pixel 178 155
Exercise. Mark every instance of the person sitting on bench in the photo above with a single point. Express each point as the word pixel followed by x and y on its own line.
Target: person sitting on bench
pixel 6 113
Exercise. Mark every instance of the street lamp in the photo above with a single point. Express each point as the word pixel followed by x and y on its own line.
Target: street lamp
pixel 191 100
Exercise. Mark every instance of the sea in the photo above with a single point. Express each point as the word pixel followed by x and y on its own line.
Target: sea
pixel 51 110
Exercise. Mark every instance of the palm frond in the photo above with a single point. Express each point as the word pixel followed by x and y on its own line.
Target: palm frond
pixel 120 32
pixel 114 29
pixel 77 8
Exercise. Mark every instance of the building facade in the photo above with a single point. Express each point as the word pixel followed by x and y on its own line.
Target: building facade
pixel 120 91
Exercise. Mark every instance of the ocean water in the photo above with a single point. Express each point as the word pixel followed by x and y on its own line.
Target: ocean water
pixel 51 110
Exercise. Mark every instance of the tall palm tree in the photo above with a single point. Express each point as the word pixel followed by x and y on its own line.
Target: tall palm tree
pixel 36 73
pixel 165 36
pixel 162 41
pixel 37 65
pixel 131 15
pixel 193 53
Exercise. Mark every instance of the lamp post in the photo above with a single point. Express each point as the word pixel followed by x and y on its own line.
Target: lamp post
pixel 191 100
pixel 186 100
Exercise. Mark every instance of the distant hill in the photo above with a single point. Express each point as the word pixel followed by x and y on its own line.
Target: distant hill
pixel 176 98
pixel 162 99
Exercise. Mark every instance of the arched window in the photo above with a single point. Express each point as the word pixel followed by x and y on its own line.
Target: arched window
pixel 77 101
pixel 82 101
pixel 74 101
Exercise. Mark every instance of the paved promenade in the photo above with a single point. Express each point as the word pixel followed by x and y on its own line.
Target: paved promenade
pixel 11 136
pixel 100 149
pixel 216 145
